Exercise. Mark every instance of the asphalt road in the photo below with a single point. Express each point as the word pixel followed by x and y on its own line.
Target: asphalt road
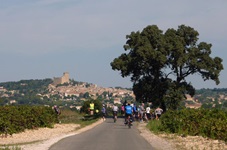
pixel 106 136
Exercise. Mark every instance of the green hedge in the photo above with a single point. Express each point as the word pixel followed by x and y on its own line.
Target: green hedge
pixel 210 123
pixel 14 119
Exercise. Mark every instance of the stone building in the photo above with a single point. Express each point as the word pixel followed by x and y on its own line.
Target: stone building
pixel 61 80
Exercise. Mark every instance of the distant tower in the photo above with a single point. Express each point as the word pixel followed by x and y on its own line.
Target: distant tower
pixel 65 77
pixel 61 80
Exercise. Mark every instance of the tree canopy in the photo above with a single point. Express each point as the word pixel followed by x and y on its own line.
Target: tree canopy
pixel 159 62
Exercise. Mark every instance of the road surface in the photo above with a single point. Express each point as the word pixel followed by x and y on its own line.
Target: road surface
pixel 106 136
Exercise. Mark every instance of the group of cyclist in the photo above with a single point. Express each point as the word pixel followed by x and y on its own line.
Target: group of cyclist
pixel 140 113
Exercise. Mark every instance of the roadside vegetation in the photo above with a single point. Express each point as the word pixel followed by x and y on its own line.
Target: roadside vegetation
pixel 209 123
pixel 16 119
pixel 73 116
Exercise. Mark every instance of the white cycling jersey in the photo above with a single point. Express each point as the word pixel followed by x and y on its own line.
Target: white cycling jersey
pixel 115 108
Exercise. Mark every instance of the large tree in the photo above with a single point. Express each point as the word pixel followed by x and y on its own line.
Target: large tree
pixel 159 63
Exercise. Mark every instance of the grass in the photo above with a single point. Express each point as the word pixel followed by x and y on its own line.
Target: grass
pixel 69 116
pixel 154 126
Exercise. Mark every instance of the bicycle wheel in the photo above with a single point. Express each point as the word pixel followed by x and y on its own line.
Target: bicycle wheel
pixel 129 124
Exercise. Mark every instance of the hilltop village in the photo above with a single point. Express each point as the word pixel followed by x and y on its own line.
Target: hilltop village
pixel 91 90
pixel 82 87
pixel 94 90
pixel 59 90
pixel 77 89
pixel 213 99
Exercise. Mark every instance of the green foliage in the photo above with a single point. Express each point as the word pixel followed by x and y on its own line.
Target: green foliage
pixel 14 119
pixel 159 63
pixel 26 85
pixel 25 91
pixel 210 123
pixel 173 98
pixel 154 126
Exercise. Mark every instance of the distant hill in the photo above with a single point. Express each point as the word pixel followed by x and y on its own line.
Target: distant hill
pixel 38 92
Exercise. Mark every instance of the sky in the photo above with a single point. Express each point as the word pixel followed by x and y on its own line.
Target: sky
pixel 42 39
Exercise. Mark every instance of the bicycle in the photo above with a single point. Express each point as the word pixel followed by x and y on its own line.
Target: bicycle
pixel 129 121
pixel 115 116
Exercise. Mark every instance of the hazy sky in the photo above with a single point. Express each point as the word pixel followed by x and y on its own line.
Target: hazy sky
pixel 41 39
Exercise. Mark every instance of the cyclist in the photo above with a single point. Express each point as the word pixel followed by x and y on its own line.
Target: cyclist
pixel 122 110
pixel 58 112
pixel 128 113
pixel 135 112
pixel 103 112
pixel 158 113
pixel 115 110
pixel 141 112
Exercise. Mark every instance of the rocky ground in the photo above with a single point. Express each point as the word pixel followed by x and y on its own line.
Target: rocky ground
pixel 43 138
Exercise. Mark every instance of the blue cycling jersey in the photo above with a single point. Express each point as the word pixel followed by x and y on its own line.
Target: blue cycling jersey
pixel 128 109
